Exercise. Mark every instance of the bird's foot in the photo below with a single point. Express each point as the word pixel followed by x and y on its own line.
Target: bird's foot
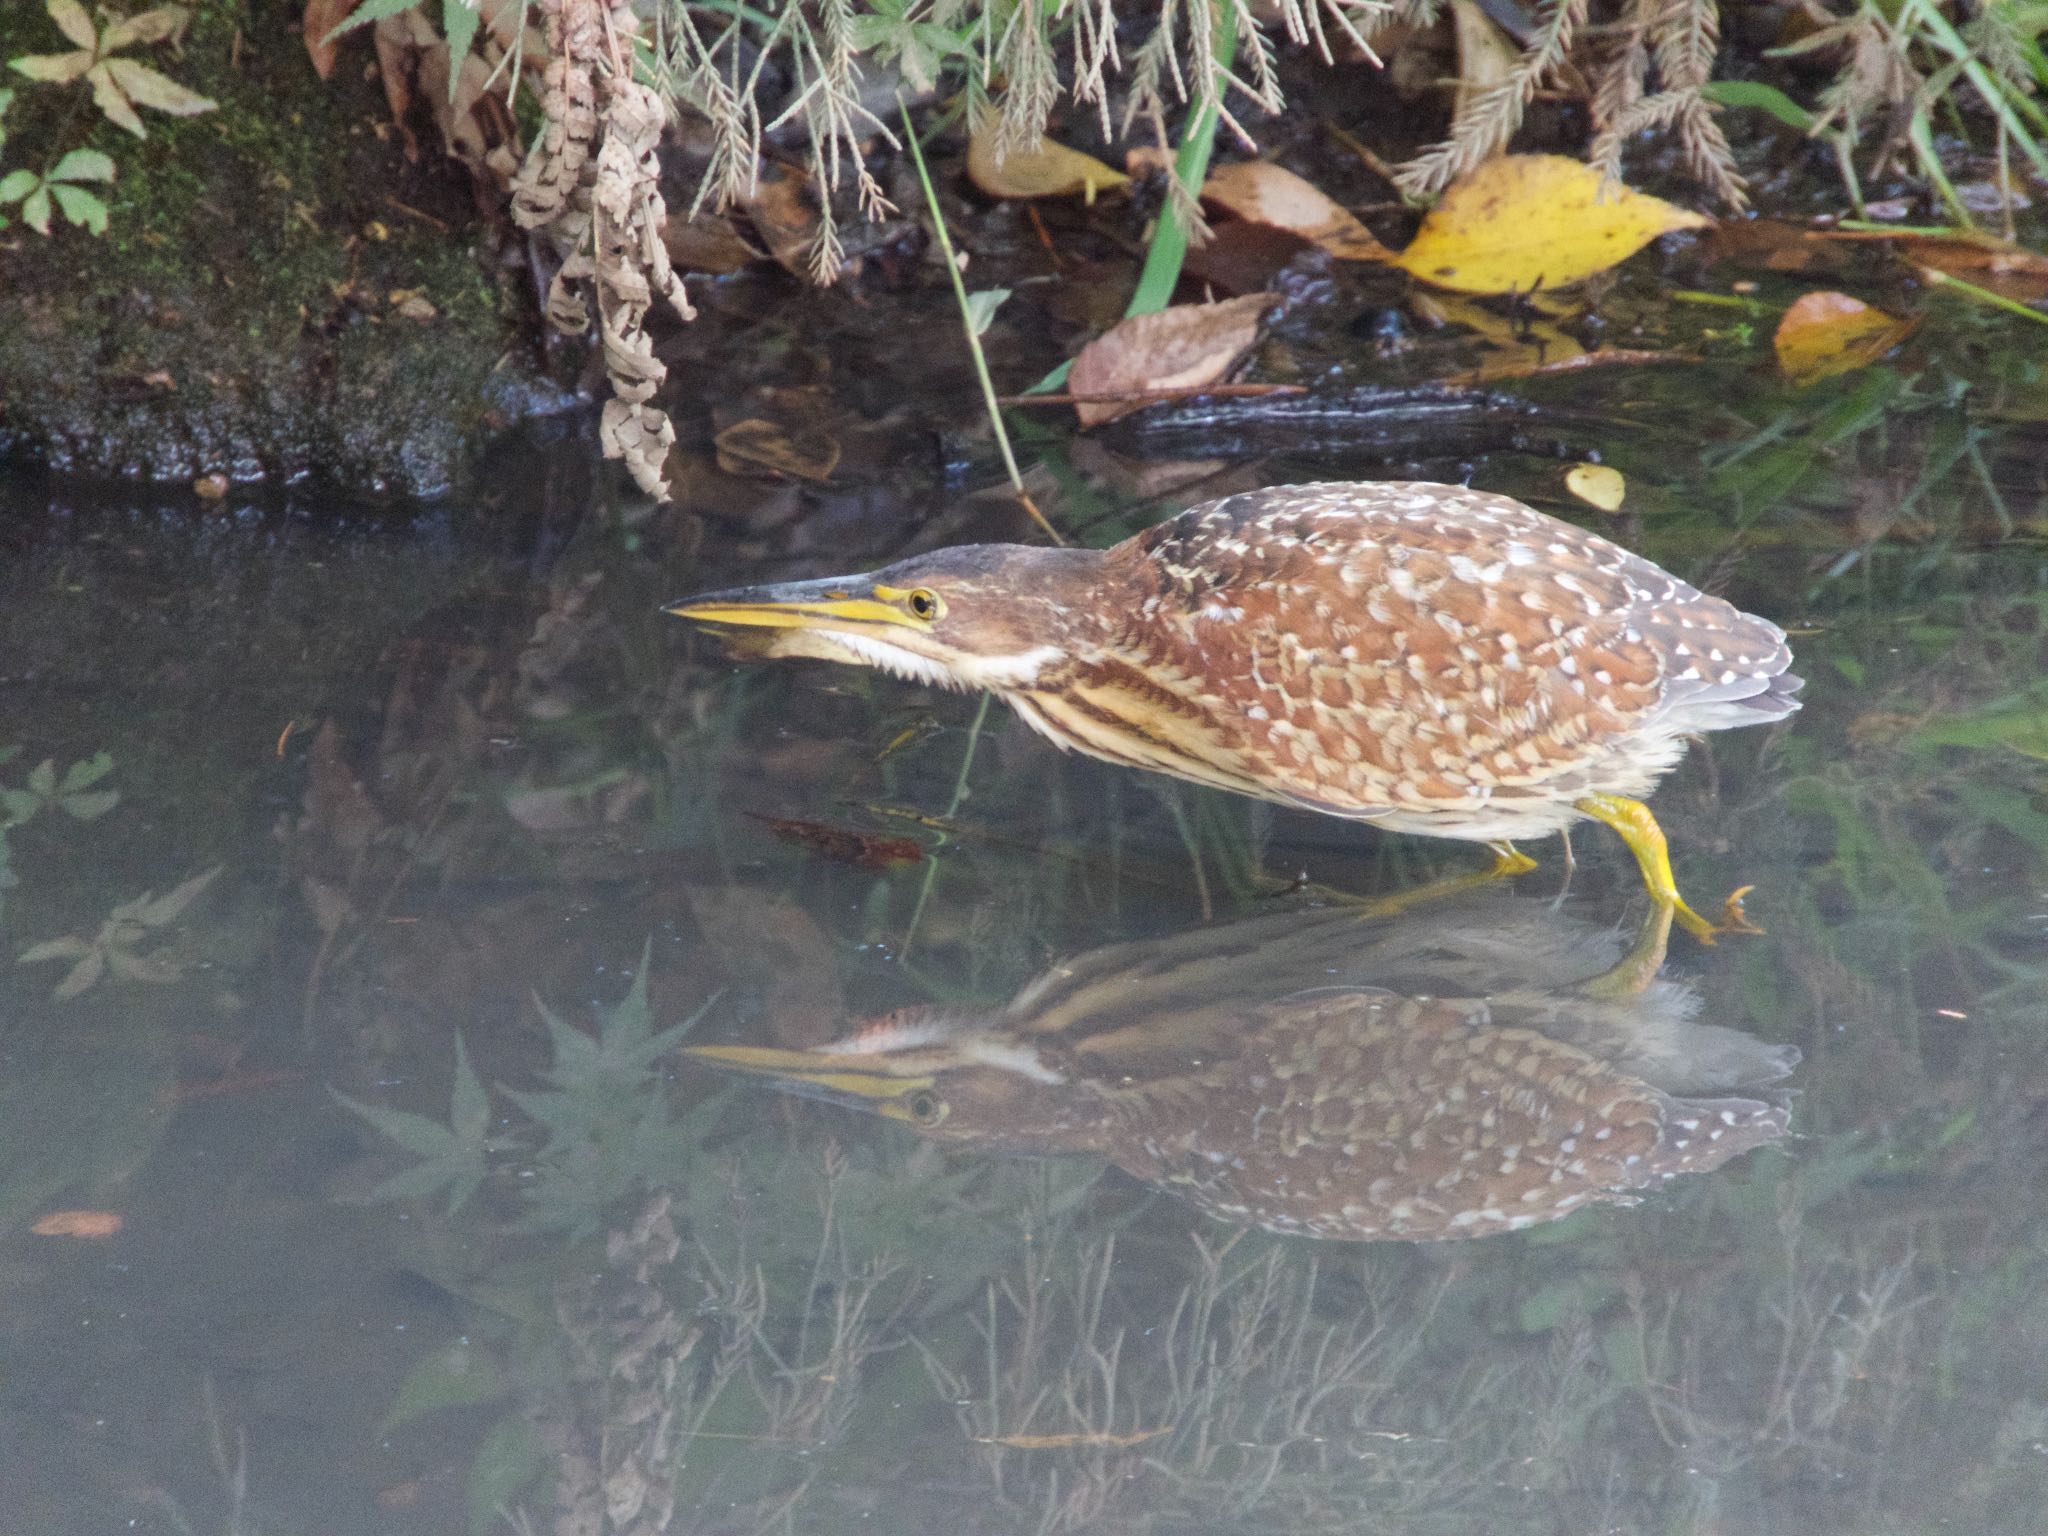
pixel 1508 861
pixel 1645 839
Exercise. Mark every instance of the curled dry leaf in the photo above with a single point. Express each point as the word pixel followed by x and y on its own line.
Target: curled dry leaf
pixel 601 205
pixel 783 206
pixel 1050 170
pixel 2009 270
pixel 1827 333
pixel 1597 485
pixel 1184 347
pixel 764 448
pixel 1259 192
pixel 1524 222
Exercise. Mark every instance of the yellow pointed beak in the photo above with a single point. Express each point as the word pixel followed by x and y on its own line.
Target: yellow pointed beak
pixel 818 1074
pixel 839 600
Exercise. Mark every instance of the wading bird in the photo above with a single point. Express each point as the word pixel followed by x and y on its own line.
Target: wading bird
pixel 1427 658
pixel 1490 1076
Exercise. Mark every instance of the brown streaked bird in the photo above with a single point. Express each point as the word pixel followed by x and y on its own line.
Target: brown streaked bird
pixel 1428 658
pixel 1496 1078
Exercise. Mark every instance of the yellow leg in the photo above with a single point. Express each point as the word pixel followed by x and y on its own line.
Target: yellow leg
pixel 1645 839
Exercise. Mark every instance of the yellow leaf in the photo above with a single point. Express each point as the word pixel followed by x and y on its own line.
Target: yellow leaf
pixel 1824 334
pixel 1523 222
pixel 1260 192
pixel 1050 170
pixel 1597 486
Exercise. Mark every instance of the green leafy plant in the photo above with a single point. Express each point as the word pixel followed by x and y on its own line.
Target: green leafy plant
pixel 74 794
pixel 455 1156
pixel 60 185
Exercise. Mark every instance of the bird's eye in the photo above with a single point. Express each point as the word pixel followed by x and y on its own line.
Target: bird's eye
pixel 924 603
pixel 927 1108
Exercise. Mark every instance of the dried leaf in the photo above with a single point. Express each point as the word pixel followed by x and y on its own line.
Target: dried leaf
pixel 1260 192
pixel 1597 485
pixel 2009 270
pixel 1827 333
pixel 155 912
pixel 1487 56
pixel 88 1224
pixel 1050 170
pixel 321 17
pixel 54 68
pixel 1183 347
pixel 147 88
pixel 784 210
pixel 756 447
pixel 83 975
pixel 108 96
pixel 73 21
pixel 1064 1442
pixel 864 850
pixel 1524 222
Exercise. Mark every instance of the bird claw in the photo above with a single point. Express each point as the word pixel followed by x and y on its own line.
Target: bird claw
pixel 1733 918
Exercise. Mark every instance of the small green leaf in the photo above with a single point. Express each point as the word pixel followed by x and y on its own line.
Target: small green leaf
pixel 156 912
pixel 508 1461
pixel 72 21
pixel 35 213
pixel 84 165
pixel 89 213
pixel 53 68
pixel 369 11
pixel 982 306
pixel 459 21
pixel 1765 98
pixel 42 779
pixel 16 185
pixel 88 807
pixel 457 1375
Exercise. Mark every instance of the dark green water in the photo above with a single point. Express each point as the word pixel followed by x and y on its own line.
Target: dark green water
pixel 511 792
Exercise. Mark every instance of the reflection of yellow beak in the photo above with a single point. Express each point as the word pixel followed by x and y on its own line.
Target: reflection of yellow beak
pixel 836 601
pixel 847 1078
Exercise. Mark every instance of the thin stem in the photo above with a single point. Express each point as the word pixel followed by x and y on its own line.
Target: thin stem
pixel 931 867
pixel 988 387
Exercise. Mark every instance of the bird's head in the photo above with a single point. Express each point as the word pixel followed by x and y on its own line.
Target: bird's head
pixel 950 1077
pixel 977 616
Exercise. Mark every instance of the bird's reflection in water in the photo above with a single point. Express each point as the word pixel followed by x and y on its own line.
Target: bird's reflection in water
pixel 1454 1068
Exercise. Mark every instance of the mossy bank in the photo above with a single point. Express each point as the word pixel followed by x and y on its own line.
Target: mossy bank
pixel 280 295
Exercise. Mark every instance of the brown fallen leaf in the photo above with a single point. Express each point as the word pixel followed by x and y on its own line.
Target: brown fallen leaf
pixel 1260 192
pixel 1183 347
pixel 1487 56
pixel 1063 1442
pixel 1827 333
pixel 320 18
pixel 707 242
pixel 784 210
pixel 90 1224
pixel 863 850
pixel 2009 270
pixel 1519 223
pixel 1050 170
pixel 767 449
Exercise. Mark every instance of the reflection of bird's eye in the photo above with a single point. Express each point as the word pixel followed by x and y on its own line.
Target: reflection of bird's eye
pixel 925 1108
pixel 924 604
